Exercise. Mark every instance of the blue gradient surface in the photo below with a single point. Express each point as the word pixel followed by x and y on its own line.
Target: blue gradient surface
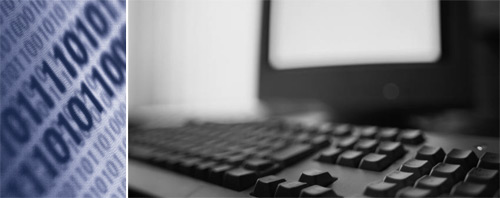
pixel 62 98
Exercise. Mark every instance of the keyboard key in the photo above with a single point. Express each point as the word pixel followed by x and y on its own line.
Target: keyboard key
pixel 482 176
pixel 330 155
pixel 293 127
pixel 278 145
pixel 394 150
pixel 290 189
pixel 432 154
pixel 325 129
pixel 292 154
pixel 465 158
pixel 202 170
pixel 302 138
pixel 320 141
pixel 236 160
pixel 222 156
pixel 206 154
pixel 348 143
pixel 216 174
pixel 414 192
pixel 413 137
pixel 438 184
pixel 388 134
pixel 381 189
pixel 142 153
pixel 258 164
pixel 239 179
pixel 401 178
pixel 366 145
pixel 317 177
pixel 266 186
pixel 467 189
pixel 187 166
pixel 419 167
pixel 266 153
pixel 250 151
pixel 342 130
pixel 170 162
pixel 350 158
pixel 367 132
pixel 490 161
pixel 375 162
pixel 317 191
pixel 195 151
pixel 454 172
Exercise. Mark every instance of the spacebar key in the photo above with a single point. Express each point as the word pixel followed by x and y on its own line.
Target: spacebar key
pixel 292 154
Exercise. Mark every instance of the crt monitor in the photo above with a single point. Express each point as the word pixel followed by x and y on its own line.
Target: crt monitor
pixel 361 56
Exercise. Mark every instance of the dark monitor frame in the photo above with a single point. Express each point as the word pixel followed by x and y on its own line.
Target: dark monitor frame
pixel 445 83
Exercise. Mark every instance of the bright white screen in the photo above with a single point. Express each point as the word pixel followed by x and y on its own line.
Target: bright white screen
pixel 313 33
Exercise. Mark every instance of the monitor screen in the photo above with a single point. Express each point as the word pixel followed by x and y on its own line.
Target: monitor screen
pixel 317 33
pixel 364 56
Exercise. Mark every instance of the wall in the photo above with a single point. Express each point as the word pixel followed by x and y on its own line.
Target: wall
pixel 193 52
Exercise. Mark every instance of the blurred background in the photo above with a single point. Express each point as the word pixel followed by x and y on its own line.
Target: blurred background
pixel 212 58
pixel 194 56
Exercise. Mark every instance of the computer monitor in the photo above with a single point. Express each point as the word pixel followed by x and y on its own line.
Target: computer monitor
pixel 360 56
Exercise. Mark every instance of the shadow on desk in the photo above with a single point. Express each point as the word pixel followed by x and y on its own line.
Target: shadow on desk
pixel 137 193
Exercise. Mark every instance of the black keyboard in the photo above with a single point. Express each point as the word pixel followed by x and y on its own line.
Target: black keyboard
pixel 276 159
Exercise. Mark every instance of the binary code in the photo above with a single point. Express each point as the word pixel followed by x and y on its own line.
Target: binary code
pixel 62 98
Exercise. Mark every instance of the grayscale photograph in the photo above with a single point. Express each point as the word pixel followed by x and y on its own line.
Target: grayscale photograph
pixel 316 98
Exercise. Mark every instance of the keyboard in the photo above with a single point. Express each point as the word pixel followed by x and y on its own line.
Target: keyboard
pixel 278 159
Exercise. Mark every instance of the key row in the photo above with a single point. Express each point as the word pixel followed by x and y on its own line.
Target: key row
pixel 208 146
pixel 465 158
pixel 227 175
pixel 300 132
pixel 233 172
pixel 368 155
pixel 406 136
pixel 312 183
pixel 478 182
